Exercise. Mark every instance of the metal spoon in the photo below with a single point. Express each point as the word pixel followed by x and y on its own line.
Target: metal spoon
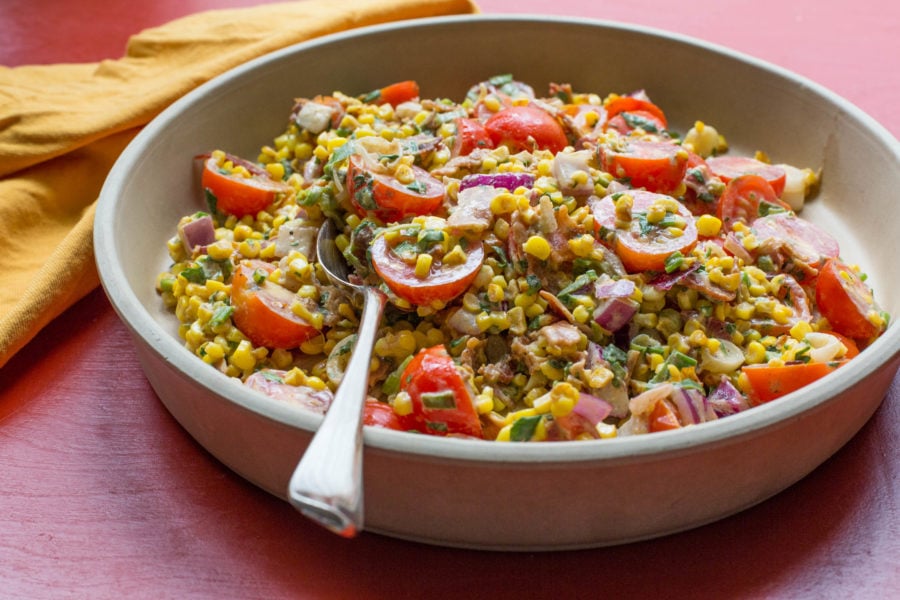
pixel 327 484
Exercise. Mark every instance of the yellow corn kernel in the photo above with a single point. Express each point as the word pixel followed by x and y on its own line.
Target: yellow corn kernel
pixel 800 329
pixel 405 174
pixel 782 313
pixel 713 345
pixel 755 354
pixel 551 372
pixel 484 402
pixel 403 404
pixel 335 143
pixel 457 256
pixel 537 247
pixel 495 293
pixel 743 311
pixel 563 397
pixel 504 203
pixel 219 250
pixel 492 103
pixel 582 246
pixel 423 265
pixel 321 153
pixel 581 314
pixel 606 431
pixel 534 310
pixel 243 357
pixel 750 242
pixel 708 226
pixel 212 352
pixel 276 170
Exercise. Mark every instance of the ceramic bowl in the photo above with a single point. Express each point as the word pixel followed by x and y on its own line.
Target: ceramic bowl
pixel 517 496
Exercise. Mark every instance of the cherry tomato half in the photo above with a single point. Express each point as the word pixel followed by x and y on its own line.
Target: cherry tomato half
pixel 444 282
pixel 381 414
pixel 238 195
pixel 846 301
pixel 262 310
pixel 745 199
pixel 627 121
pixel 728 167
pixel 441 400
pixel 398 93
pixel 644 246
pixel 526 128
pixel 769 382
pixel 806 241
pixel 635 104
pixel 663 417
pixel 470 135
pixel 385 197
pixel 655 166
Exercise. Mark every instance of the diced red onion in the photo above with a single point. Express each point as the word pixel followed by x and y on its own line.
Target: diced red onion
pixel 614 313
pixel 592 408
pixel 726 399
pixel 197 233
pixel 509 181
pixel 689 403
pixel 619 288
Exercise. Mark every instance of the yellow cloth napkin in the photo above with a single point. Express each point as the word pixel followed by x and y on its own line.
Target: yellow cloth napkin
pixel 62 127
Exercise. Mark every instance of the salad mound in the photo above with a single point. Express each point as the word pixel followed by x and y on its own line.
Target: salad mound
pixel 565 267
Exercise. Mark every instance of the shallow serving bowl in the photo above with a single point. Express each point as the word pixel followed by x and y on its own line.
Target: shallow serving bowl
pixel 517 496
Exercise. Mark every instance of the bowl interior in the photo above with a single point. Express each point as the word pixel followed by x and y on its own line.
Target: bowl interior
pixel 755 105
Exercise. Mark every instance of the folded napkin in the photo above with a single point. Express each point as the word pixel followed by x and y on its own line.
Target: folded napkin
pixel 62 127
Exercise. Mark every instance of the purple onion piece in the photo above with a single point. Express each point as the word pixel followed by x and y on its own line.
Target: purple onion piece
pixel 592 408
pixel 197 233
pixel 508 181
pixel 726 400
pixel 620 288
pixel 614 313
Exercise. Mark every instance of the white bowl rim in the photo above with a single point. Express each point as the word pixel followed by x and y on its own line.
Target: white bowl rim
pixel 690 439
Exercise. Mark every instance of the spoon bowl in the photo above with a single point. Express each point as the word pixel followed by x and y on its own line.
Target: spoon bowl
pixel 326 486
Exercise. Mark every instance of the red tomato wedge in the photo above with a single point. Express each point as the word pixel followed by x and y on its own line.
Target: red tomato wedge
pixel 398 93
pixel 238 195
pixel 385 197
pixel 729 167
pixel 628 121
pixel 632 104
pixel 768 382
pixel 526 128
pixel 262 311
pixel 806 241
pixel 443 283
pixel 470 135
pixel 644 247
pixel 381 414
pixel 662 418
pixel 745 199
pixel 655 166
pixel 441 399
pixel 846 301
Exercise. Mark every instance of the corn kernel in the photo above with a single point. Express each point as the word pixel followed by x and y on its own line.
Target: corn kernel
pixel 537 247
pixel 242 357
pixel 582 246
pixel 756 353
pixel 423 265
pixel 800 329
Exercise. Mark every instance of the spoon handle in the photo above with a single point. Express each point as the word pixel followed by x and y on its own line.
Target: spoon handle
pixel 327 484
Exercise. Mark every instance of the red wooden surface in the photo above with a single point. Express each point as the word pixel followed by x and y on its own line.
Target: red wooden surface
pixel 102 494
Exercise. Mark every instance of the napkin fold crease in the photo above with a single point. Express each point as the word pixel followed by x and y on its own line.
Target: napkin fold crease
pixel 62 127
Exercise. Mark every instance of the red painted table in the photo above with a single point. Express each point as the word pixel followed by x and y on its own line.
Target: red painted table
pixel 102 494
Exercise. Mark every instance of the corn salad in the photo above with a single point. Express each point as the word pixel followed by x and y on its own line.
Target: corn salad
pixel 565 267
